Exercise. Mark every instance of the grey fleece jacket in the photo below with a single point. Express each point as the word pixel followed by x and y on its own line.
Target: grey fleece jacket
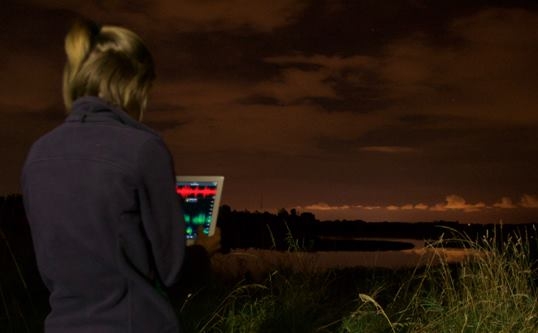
pixel 106 222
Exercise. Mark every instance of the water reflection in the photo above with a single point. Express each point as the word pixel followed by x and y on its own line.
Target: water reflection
pixel 363 244
pixel 258 262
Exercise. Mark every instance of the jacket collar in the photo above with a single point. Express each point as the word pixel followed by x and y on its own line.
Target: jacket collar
pixel 95 109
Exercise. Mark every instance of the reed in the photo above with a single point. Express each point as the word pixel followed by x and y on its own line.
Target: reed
pixel 492 290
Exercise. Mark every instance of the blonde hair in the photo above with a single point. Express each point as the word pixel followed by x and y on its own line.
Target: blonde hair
pixel 110 62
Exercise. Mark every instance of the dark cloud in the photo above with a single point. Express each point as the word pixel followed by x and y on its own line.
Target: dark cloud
pixel 164 125
pixel 259 99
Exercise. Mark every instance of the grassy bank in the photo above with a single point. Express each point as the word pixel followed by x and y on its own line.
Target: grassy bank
pixel 492 290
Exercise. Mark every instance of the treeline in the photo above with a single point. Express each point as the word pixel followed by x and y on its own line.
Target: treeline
pixel 245 229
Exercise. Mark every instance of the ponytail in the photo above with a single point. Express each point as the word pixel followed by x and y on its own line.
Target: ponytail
pixel 78 44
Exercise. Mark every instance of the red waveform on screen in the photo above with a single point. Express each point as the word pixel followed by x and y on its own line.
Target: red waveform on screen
pixel 187 191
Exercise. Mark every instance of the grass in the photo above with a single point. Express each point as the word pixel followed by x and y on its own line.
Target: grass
pixel 492 290
pixel 18 311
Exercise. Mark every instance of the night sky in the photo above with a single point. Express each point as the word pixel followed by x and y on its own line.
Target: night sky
pixel 376 110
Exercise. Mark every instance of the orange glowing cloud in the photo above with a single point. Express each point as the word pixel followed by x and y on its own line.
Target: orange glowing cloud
pixel 505 203
pixel 529 201
pixel 452 203
pixel 455 202
pixel 325 206
pixel 408 207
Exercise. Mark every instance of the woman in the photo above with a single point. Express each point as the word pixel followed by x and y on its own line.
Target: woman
pixel 100 197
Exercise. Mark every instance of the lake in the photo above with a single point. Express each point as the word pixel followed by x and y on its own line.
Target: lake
pixel 258 262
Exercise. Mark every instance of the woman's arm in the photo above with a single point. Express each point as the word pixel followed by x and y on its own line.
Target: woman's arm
pixel 161 211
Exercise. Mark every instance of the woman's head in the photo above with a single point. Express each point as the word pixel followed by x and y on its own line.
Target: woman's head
pixel 110 62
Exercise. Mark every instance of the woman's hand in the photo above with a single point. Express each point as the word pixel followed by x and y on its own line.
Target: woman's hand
pixel 210 243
